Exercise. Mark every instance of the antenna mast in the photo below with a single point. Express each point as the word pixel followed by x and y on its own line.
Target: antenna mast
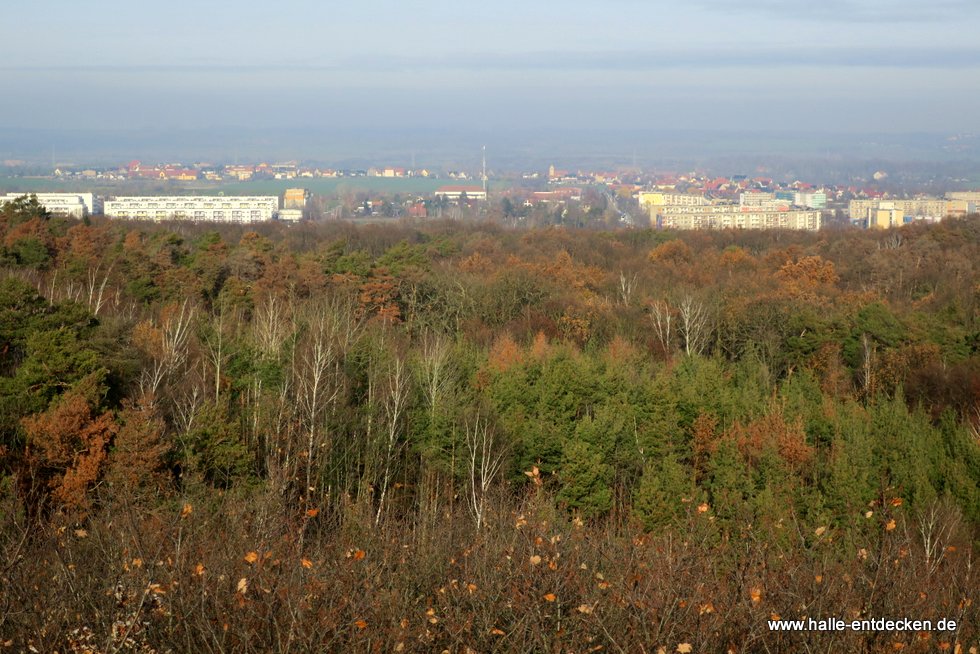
pixel 485 173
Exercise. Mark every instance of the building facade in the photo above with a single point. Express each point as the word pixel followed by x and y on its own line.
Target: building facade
pixel 73 205
pixel 864 211
pixel 733 216
pixel 455 193
pixel 657 199
pixel 227 209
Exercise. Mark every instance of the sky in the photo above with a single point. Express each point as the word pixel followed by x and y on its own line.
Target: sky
pixel 891 66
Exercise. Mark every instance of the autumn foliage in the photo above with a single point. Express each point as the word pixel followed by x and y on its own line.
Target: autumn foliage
pixel 460 437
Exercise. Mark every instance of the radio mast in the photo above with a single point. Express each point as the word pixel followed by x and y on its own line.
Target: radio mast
pixel 485 197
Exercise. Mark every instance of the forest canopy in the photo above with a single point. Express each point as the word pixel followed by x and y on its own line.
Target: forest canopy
pixel 509 440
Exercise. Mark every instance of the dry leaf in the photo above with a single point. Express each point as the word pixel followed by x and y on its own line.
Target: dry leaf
pixel 242 585
pixel 359 554
pixel 360 624
pixel 868 514
pixel 535 560
pixel 251 557
pixel 186 511
pixel 199 569
pixel 312 513
pixel 756 594
pixel 471 588
pixel 549 597
pixel 820 531
pixel 685 648
pixel 890 525
pixel 306 563
pixel 706 608
pixel 497 632
pixel 586 609
pixel 703 507
pixel 818 579
pixel 81 533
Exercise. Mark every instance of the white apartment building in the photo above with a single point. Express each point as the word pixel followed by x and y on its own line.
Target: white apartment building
pixel 73 205
pixel 756 198
pixel 734 216
pixel 197 208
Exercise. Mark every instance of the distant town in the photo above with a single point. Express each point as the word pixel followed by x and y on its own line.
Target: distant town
pixel 619 198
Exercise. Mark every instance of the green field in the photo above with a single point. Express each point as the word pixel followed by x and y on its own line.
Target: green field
pixel 321 186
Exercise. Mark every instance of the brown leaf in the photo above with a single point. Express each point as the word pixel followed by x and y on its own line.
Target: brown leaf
pixel 251 557
pixel 242 586
pixel 549 597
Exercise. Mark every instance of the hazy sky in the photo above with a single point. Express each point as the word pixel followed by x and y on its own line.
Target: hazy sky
pixel 822 65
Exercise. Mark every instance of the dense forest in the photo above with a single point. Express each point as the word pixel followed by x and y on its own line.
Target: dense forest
pixel 452 436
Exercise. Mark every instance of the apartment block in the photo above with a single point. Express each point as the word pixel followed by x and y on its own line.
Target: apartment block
pixel 228 209
pixel 734 216
pixel 73 205
pixel 915 209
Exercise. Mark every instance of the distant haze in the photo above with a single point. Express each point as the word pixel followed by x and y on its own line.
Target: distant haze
pixel 835 66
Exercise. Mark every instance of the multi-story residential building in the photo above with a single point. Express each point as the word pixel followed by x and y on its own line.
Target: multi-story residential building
pixel 733 216
pixel 230 209
pixel 960 203
pixel 915 209
pixel 74 205
pixel 295 198
pixel 756 198
pixel 455 193
pixel 810 199
pixel 658 199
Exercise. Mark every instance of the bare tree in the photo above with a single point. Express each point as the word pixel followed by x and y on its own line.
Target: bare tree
pixel 694 324
pixel 318 381
pixel 168 349
pixel 868 351
pixel 435 370
pixel 626 286
pixel 394 404
pixel 937 524
pixel 270 325
pixel 484 460
pixel 662 316
pixel 96 282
